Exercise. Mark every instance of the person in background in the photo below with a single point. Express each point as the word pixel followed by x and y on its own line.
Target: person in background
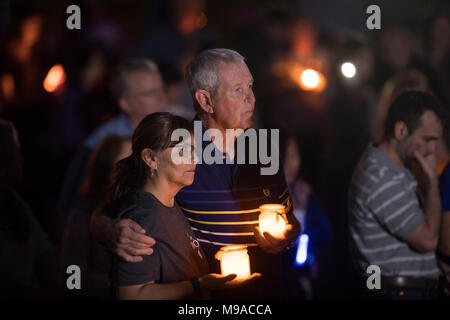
pixel 443 250
pixel 78 247
pixel 139 90
pixel 28 260
pixel 391 225
pixel 408 80
pixel 308 211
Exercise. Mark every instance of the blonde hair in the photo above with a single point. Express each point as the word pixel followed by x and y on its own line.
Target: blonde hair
pixel 405 81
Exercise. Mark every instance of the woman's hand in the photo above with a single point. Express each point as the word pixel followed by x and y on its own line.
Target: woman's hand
pixel 215 281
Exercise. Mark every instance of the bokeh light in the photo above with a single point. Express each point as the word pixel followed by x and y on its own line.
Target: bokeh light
pixel 348 69
pixel 55 78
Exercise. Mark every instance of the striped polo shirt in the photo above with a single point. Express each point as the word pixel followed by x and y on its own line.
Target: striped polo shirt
pixel 222 204
pixel 384 210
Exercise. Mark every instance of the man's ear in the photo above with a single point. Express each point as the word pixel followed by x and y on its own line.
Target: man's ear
pixel 149 157
pixel 203 98
pixel 124 105
pixel 400 130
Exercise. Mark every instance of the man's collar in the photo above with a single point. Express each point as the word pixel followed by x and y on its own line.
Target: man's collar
pixel 208 140
pixel 385 159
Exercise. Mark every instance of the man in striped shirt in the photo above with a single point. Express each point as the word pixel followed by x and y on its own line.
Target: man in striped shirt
pixel 391 227
pixel 222 203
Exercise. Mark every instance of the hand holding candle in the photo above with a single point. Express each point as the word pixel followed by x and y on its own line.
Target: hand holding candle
pixel 271 220
pixel 234 260
pixel 282 232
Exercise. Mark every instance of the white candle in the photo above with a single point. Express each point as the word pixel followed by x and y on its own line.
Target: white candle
pixel 234 259
pixel 271 220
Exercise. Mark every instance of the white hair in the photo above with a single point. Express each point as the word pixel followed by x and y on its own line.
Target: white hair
pixel 202 72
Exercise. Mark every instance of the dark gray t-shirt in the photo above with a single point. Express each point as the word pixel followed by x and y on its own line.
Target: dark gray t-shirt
pixel 177 254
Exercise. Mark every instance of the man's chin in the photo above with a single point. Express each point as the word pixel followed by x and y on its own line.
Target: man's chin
pixel 248 123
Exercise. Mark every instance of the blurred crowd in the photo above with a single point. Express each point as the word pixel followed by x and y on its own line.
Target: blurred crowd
pixel 63 126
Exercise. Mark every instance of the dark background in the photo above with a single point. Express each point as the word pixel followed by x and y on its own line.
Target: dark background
pixel 333 126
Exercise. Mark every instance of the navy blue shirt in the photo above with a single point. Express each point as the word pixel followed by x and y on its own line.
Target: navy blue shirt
pixel 222 205
pixel 444 186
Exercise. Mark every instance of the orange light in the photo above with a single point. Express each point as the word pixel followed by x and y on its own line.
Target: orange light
pixel 55 78
pixel 307 78
pixel 312 80
pixel 8 86
pixel 202 21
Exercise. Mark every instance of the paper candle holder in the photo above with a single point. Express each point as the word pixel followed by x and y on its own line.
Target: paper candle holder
pixel 234 259
pixel 272 219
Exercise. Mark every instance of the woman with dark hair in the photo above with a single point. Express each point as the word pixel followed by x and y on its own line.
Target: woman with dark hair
pixel 143 189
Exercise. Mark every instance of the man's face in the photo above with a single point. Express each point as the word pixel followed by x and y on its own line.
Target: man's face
pixel 146 94
pixel 423 139
pixel 234 101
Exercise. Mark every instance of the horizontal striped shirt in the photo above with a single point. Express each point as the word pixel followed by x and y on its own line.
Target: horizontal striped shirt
pixel 384 210
pixel 222 205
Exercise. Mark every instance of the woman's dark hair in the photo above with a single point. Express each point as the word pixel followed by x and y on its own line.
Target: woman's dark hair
pixel 153 132
pixel 409 108
pixel 101 162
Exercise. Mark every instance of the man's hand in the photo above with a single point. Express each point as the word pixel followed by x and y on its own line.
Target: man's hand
pixel 429 167
pixel 274 245
pixel 127 239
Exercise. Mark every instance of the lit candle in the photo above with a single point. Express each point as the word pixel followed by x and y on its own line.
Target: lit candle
pixel 234 259
pixel 271 220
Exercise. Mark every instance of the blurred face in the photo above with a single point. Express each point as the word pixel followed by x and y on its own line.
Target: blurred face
pixel 423 139
pixel 234 101
pixel 179 174
pixel 292 161
pixel 146 94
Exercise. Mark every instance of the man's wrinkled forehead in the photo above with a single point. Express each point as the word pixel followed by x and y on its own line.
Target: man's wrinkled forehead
pixel 234 72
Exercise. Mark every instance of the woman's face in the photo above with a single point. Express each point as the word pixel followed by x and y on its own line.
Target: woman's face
pixel 178 173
